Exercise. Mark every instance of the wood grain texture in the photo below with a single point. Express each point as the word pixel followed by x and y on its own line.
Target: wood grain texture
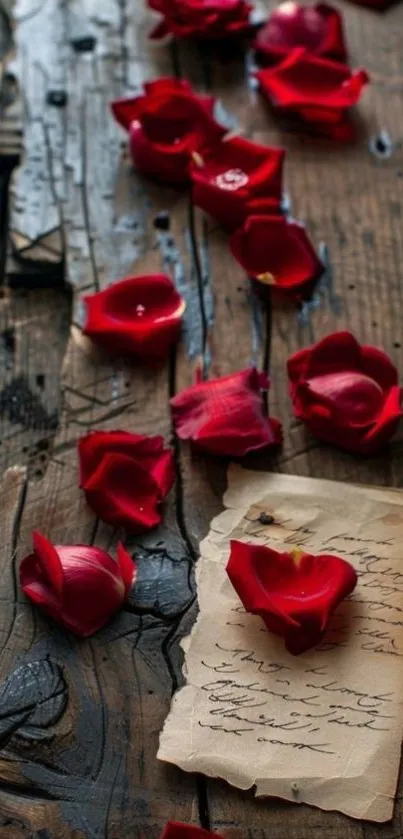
pixel 78 219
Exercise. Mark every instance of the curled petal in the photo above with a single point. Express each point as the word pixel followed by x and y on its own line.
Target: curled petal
pixel 347 394
pixel 166 125
pixel 294 594
pixel 387 421
pixel 226 416
pixel 378 364
pixel 125 476
pixel 94 585
pixel 317 28
pixel 340 350
pixel 215 19
pixel 318 90
pixel 123 493
pixel 236 176
pixel 127 567
pixel 274 250
pixel 140 316
pixel 47 555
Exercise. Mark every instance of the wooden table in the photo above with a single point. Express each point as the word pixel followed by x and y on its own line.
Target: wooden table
pixel 81 763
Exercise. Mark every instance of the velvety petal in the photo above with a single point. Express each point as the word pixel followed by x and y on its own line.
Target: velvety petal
pixel 376 363
pixel 166 125
pixel 124 494
pixel 35 585
pixel 297 365
pixel 94 585
pixel 49 560
pixel 225 416
pixel 271 247
pixel 355 399
pixel 212 19
pixel 303 79
pixel 138 315
pixel 338 351
pixel 317 89
pixel 94 446
pixel 346 394
pixel 295 596
pixel 233 174
pixel 318 28
pixel 387 420
pixel 127 110
pixel 127 567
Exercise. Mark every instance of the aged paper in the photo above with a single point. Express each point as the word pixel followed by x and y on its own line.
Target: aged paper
pixel 325 727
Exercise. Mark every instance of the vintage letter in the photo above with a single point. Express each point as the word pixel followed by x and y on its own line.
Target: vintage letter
pixel 325 727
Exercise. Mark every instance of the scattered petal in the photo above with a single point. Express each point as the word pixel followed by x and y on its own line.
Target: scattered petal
pixel 237 177
pixel 93 587
pixel 166 124
pixel 294 593
pixel 210 19
pixel 319 91
pixel 346 394
pixel 276 252
pixel 138 316
pixel 226 416
pixel 317 28
pixel 125 477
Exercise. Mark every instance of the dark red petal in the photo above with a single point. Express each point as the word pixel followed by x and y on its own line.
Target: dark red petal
pixel 387 420
pixel 127 110
pixel 127 567
pixel 318 28
pixel 236 175
pixel 377 364
pixel 225 416
pixel 121 492
pixel 304 81
pixel 49 560
pixel 354 399
pixel 270 247
pixel 39 593
pixel 338 351
pixel 95 445
pixel 139 315
pixel 294 597
pixel 178 830
pixel 297 365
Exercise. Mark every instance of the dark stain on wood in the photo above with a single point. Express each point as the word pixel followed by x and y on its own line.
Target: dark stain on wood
pixel 21 406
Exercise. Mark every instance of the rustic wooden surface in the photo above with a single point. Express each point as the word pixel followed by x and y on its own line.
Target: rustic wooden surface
pixel 82 762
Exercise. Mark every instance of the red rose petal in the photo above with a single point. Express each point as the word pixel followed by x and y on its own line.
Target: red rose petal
pixel 212 19
pixel 295 598
pixel 340 350
pixel 93 585
pixel 270 245
pixel 236 176
pixel 138 315
pixel 318 28
pixel 167 124
pixel 226 416
pixel 127 567
pixel 318 90
pixel 49 559
pixel 347 394
pixel 379 366
pixel 122 493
